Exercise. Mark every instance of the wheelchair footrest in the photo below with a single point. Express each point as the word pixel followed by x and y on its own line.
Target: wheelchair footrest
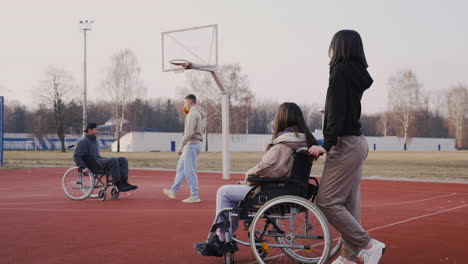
pixel 230 247
pixel 219 225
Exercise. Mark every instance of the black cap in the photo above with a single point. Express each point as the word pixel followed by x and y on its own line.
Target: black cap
pixel 90 126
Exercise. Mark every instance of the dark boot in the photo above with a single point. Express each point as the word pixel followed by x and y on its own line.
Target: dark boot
pixel 214 248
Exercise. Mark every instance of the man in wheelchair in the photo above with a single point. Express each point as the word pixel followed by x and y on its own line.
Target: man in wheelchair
pixel 87 157
pixel 290 134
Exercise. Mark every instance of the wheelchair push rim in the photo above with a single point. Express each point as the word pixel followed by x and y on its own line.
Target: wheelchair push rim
pixel 291 230
pixel 76 185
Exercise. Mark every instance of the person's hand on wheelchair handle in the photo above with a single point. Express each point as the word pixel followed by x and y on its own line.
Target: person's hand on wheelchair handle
pixel 317 151
pixel 85 171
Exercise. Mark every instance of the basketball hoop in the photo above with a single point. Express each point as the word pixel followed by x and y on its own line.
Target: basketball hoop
pixel 196 46
pixel 180 65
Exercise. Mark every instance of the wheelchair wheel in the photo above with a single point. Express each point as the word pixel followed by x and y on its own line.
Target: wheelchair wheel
pixel 335 249
pixel 102 194
pixel 76 185
pixel 115 193
pixel 260 250
pixel 292 230
pixel 95 193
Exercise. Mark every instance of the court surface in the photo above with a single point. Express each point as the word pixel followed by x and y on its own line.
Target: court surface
pixel 420 222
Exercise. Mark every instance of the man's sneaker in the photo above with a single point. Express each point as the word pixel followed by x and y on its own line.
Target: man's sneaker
pixel 372 255
pixel 192 199
pixel 123 187
pixel 132 187
pixel 339 260
pixel 169 193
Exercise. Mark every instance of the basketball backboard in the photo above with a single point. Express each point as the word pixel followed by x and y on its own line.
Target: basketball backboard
pixel 198 45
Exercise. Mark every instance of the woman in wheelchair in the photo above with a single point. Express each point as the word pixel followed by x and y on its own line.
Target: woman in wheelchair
pixel 290 133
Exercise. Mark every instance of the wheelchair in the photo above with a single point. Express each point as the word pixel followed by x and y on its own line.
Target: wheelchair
pixel 283 223
pixel 79 186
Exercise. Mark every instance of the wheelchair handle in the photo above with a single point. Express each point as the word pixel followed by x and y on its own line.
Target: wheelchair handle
pixel 303 150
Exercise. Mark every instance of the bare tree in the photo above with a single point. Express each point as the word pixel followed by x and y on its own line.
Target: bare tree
pixel 262 116
pixel 383 124
pixel 403 99
pixel 15 117
pixel 436 101
pixel 55 91
pixel 457 110
pixel 123 83
pixel 312 115
pixel 240 96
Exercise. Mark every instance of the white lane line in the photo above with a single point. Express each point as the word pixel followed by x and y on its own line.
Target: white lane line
pixel 38 203
pixel 408 202
pixel 401 190
pixel 416 218
pixel 100 210
pixel 395 223
pixel 7 189
pixel 57 202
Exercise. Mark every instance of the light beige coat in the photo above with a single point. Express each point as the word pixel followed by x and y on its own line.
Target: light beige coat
pixel 278 160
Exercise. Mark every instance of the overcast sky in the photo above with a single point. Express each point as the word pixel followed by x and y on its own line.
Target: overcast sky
pixel 281 45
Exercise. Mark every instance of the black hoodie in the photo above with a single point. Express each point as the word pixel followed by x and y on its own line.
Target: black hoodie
pixel 348 81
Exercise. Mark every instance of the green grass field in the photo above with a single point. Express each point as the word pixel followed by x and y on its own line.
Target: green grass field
pixel 443 165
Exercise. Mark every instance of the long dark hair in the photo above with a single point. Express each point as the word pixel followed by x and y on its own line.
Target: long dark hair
pixel 347 46
pixel 289 116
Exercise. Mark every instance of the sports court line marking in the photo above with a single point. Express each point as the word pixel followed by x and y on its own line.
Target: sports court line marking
pixel 37 203
pixel 100 210
pixel 395 223
pixel 149 210
pixel 416 218
pixel 400 190
pixel 371 178
pixel 408 202
pixel 7 189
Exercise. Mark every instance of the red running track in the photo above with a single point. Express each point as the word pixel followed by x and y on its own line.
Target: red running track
pixel 420 222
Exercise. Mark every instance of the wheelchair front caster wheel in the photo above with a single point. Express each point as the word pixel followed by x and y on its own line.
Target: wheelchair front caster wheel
pixel 228 258
pixel 102 194
pixel 115 193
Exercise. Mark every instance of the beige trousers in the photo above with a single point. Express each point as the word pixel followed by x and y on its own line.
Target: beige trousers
pixel 339 195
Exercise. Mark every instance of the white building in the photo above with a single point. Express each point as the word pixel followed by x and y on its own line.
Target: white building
pixel 160 141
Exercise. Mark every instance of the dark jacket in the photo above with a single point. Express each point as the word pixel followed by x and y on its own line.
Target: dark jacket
pixel 347 83
pixel 86 150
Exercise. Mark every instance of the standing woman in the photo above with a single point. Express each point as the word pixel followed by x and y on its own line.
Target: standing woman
pixel 339 194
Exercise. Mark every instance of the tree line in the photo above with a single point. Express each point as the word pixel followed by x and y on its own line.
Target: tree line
pixel 411 111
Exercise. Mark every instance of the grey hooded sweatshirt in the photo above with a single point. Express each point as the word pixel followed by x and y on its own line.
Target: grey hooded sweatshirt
pixel 194 126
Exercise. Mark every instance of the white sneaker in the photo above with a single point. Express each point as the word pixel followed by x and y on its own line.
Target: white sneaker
pixel 339 260
pixel 170 193
pixel 192 199
pixel 373 255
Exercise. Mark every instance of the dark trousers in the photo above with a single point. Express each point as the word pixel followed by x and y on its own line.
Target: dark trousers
pixel 118 167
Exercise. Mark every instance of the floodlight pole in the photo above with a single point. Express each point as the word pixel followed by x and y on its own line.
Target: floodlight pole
pixel 85 25
pixel 224 118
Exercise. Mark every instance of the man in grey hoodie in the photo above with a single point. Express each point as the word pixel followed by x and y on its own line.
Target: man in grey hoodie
pixel 189 149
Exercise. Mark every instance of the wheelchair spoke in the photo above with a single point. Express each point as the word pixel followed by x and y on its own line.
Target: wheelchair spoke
pixel 293 231
pixel 77 186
